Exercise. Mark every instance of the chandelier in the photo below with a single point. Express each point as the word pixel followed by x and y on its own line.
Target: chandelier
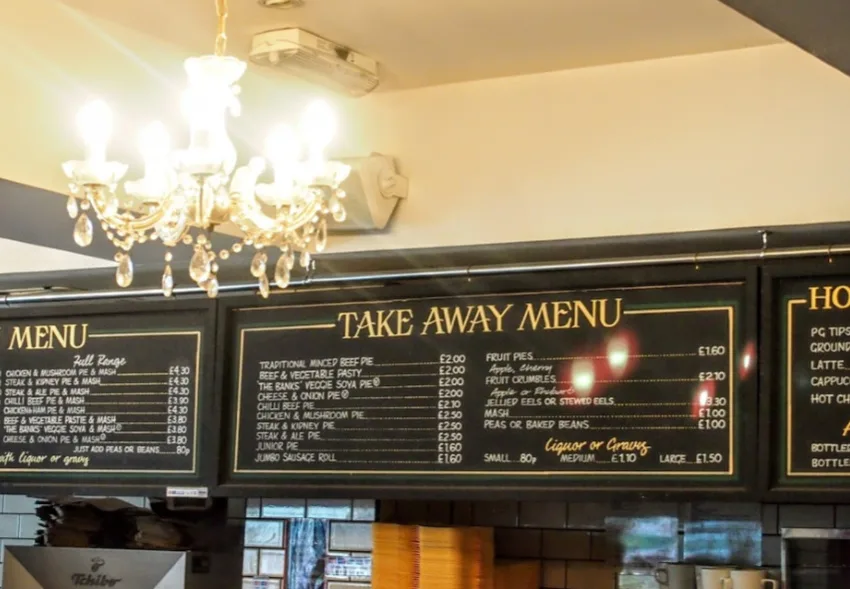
pixel 185 194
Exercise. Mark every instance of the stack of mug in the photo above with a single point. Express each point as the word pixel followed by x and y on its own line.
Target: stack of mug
pixel 686 576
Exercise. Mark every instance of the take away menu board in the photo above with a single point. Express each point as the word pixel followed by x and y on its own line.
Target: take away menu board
pixel 604 387
pixel 814 379
pixel 98 395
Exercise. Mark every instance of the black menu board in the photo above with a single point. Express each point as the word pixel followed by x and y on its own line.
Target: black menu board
pixel 812 374
pixel 92 394
pixel 543 387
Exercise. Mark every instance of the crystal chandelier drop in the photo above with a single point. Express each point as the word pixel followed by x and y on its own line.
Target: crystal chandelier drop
pixel 185 194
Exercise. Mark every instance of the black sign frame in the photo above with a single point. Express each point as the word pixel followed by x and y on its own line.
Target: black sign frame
pixel 744 487
pixel 208 412
pixel 772 416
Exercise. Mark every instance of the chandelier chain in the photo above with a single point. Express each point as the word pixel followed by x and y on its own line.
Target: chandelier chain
pixel 221 37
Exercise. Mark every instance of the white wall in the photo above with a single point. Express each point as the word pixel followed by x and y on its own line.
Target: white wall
pixel 751 137
pixel 741 138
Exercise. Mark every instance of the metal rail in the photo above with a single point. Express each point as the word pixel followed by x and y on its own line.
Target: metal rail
pixel 14 300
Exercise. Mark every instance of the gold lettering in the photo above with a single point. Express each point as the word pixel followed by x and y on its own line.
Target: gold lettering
pixel 563 315
pixel 405 316
pixel 617 315
pixel 48 337
pixel 589 316
pixel 60 337
pixel 558 447
pixel 813 298
pixel 846 430
pixel 84 336
pixel 479 319
pixel 383 324
pixel 641 447
pixel 377 324
pixel 21 338
pixel 452 317
pixel 42 337
pixel 81 460
pixel 535 316
pixel 500 317
pixel 832 297
pixel 470 319
pixel 366 323
pixel 346 316
pixel 572 314
pixel 433 320
pixel 841 296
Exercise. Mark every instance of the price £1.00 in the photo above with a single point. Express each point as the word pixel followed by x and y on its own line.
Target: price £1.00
pixel 712 412
pixel 711 424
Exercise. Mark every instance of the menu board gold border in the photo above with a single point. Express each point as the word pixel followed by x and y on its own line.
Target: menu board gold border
pixel 199 335
pixel 728 309
pixel 789 353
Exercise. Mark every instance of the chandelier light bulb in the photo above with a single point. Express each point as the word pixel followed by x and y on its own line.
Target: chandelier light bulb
pixel 282 145
pixel 256 165
pixel 95 124
pixel 154 143
pixel 318 126
pixel 155 146
pixel 283 150
pixel 185 194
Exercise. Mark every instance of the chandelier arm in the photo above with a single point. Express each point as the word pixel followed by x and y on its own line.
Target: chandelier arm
pixel 250 218
pixel 201 187
pixel 254 221
pixel 132 225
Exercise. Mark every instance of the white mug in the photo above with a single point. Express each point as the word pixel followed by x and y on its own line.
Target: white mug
pixel 713 577
pixel 675 576
pixel 749 579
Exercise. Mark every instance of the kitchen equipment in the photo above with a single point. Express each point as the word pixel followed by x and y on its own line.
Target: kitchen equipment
pixel 28 567
pixel 832 567
pixel 32 567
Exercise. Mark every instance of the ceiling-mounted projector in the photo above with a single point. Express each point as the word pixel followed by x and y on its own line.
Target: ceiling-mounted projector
pixel 317 60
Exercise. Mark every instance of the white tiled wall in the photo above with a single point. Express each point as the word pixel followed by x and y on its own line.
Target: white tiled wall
pixel 18 523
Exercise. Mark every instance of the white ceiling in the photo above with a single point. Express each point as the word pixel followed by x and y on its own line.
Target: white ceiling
pixel 428 42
